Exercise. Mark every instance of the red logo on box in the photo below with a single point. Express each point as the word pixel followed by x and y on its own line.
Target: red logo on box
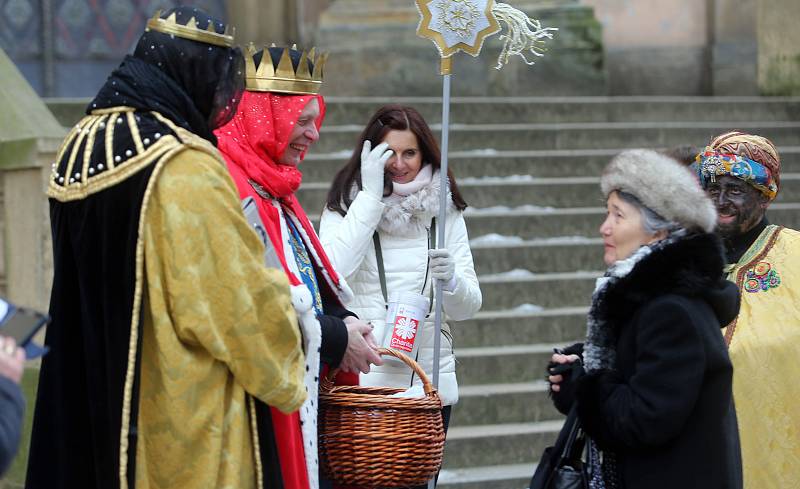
pixel 404 333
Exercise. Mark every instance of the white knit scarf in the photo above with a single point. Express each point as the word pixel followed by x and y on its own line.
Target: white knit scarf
pixel 422 179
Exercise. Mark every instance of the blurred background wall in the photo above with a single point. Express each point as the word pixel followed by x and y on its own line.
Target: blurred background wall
pixel 65 48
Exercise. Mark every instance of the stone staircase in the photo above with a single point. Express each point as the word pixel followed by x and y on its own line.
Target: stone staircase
pixel 529 168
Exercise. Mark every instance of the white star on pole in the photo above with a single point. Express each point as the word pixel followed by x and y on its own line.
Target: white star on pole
pixel 457 25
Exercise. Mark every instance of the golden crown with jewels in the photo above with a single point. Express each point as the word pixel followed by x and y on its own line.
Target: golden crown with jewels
pixel 191 30
pixel 284 78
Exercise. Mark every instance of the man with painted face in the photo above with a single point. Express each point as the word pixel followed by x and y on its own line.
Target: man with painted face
pixel 741 173
pixel 166 325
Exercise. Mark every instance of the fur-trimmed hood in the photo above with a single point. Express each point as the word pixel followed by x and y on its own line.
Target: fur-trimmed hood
pixel 691 267
pixel 405 213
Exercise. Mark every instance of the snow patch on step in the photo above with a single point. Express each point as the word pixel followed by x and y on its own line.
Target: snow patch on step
pixel 472 211
pixel 483 390
pixel 492 179
pixel 527 180
pixel 495 239
pixel 567 240
pixel 483 152
pixel 526 308
pixel 510 313
pixel 517 273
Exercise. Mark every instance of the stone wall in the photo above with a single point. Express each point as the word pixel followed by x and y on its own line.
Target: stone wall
pixel 375 51
pixel 734 62
pixel 655 46
pixel 778 47
pixel 29 139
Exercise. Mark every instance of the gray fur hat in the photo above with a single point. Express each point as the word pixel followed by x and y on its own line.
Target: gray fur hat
pixel 663 185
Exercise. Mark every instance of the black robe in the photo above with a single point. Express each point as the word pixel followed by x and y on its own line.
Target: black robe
pixel 79 429
pixel 78 423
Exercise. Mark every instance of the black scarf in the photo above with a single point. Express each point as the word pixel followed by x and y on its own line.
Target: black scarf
pixel 138 84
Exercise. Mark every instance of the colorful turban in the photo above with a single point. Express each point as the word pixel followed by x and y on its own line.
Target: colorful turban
pixel 748 157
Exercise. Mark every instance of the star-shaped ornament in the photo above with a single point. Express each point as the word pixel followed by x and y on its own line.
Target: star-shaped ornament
pixel 457 25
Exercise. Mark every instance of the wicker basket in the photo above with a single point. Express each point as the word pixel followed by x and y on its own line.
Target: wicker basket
pixel 367 438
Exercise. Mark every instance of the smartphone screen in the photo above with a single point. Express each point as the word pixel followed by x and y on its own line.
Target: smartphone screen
pixel 22 325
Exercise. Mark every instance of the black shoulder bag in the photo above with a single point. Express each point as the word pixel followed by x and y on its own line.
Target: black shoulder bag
pixel 562 465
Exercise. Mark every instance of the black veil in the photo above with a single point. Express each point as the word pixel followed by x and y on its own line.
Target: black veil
pixel 197 85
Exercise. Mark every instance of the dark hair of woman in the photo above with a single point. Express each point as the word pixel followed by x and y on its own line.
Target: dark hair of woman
pixel 388 118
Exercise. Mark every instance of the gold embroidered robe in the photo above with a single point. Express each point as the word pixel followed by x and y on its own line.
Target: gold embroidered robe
pixel 218 327
pixel 764 345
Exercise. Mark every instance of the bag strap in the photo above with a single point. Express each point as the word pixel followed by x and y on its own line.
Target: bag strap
pixel 376 241
pixel 431 245
pixel 574 424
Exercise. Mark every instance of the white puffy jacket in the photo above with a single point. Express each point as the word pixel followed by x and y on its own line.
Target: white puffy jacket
pixel 403 231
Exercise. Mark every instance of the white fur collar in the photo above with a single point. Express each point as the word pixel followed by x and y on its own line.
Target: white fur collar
pixel 403 214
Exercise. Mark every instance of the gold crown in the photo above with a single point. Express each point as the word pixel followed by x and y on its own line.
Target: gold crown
pixel 284 78
pixel 191 31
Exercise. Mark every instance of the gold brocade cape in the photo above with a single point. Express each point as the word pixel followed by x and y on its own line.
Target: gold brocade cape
pixel 165 321
pixel 764 345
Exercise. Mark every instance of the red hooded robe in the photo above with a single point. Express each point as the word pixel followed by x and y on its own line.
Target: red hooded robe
pixel 251 144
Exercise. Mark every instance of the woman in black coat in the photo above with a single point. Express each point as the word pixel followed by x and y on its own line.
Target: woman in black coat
pixel 656 398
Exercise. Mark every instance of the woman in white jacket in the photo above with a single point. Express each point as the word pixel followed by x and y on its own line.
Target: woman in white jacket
pixel 393 190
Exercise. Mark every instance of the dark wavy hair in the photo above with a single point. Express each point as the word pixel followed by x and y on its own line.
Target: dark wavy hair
pixel 388 118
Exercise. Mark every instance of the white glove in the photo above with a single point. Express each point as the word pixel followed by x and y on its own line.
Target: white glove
pixel 443 267
pixel 372 168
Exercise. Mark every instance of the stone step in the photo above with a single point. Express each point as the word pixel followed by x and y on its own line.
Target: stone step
pixel 511 191
pixel 503 364
pixel 524 362
pixel 547 290
pixel 524 190
pixel 523 223
pixel 518 326
pixel 591 135
pixel 504 403
pixel 321 167
pixel 511 476
pixel 499 444
pixel 358 110
pixel 529 223
pixel 564 254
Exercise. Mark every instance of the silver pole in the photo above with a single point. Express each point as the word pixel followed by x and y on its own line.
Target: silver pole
pixel 440 228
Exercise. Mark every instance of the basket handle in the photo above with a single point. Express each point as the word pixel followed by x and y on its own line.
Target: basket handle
pixel 327 382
